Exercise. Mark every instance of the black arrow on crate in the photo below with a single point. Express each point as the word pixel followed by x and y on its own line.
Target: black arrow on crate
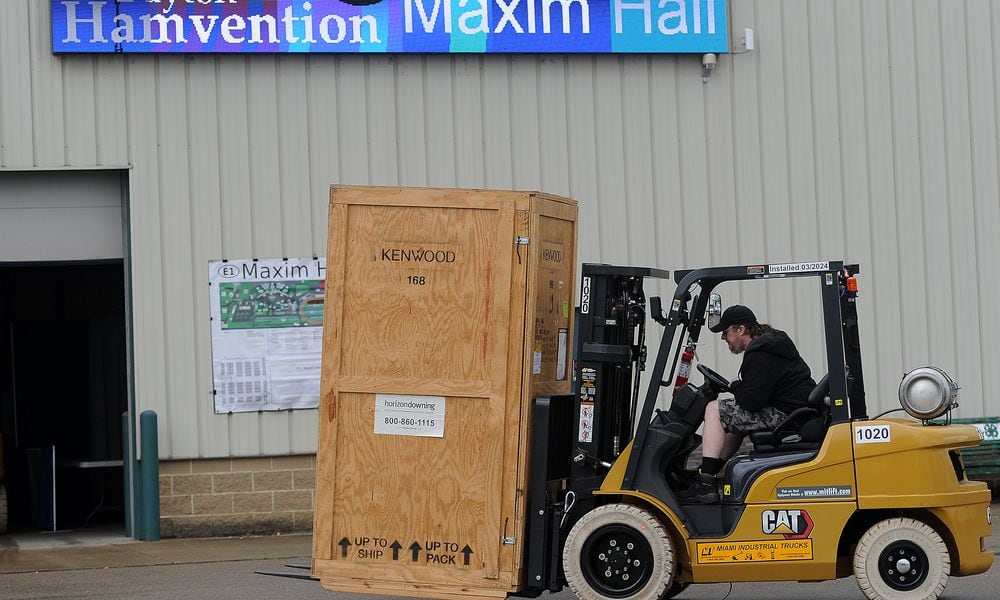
pixel 344 543
pixel 415 547
pixel 467 552
pixel 396 546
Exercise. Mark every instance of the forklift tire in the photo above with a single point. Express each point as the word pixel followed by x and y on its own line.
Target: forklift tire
pixel 901 559
pixel 618 551
pixel 3 508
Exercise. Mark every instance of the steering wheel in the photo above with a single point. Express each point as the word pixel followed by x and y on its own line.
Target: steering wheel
pixel 718 381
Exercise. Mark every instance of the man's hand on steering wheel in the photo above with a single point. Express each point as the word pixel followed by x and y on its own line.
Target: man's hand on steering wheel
pixel 713 379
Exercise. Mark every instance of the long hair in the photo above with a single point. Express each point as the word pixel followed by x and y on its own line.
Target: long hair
pixel 759 329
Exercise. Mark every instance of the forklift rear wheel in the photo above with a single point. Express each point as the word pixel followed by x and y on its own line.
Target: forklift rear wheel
pixel 901 559
pixel 619 551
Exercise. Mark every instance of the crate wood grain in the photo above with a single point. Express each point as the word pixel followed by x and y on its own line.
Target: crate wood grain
pixel 430 294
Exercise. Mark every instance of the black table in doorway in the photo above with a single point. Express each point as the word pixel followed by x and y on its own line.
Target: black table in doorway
pixel 101 467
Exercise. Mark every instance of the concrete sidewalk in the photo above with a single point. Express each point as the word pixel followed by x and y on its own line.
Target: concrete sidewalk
pixel 66 551
pixel 96 550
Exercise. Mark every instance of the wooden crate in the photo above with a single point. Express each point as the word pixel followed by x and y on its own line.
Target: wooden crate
pixel 436 299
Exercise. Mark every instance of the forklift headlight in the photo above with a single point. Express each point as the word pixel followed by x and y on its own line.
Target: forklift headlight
pixel 927 393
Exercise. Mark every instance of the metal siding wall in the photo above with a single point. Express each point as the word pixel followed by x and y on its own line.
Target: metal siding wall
pixel 16 110
pixel 45 83
pixel 468 117
pixel 204 190
pixel 294 429
pixel 581 151
pixel 856 129
pixel 324 152
pixel 984 284
pixel 612 170
pixel 882 336
pixel 439 123
pixel 958 208
pixel 233 434
pixel 410 124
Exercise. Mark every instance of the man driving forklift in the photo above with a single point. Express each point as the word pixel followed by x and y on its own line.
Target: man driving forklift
pixel 773 381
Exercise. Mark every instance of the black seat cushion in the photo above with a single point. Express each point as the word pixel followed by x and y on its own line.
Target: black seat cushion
pixel 743 470
pixel 803 429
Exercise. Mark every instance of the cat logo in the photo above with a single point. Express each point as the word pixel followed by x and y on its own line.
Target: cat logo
pixel 792 524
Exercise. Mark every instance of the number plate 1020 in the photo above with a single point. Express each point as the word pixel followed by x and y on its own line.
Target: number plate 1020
pixel 872 434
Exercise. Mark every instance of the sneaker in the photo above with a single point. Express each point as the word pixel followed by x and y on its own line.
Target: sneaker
pixel 704 490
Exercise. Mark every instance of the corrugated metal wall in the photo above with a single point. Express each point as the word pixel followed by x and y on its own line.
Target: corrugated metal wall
pixel 858 129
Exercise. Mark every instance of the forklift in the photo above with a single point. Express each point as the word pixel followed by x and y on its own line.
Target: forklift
pixel 830 492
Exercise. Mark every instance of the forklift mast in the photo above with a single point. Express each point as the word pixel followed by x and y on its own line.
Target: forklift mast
pixel 611 354
pixel 576 438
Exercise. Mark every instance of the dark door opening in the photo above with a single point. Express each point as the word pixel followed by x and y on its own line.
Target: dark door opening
pixel 63 388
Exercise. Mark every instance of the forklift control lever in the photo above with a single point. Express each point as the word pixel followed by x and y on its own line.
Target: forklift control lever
pixel 656 310
pixel 588 459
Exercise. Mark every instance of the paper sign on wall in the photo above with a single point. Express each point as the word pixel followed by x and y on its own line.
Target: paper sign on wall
pixel 267 333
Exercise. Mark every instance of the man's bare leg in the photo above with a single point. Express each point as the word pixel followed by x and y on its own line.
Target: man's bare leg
pixel 714 440
pixel 713 436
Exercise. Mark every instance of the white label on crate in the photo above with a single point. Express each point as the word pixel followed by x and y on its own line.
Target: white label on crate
pixel 536 365
pixel 561 355
pixel 872 434
pixel 586 421
pixel 418 416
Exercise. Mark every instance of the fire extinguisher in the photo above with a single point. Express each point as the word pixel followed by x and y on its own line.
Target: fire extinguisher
pixel 684 368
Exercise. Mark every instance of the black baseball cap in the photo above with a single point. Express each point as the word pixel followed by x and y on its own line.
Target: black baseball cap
pixel 736 314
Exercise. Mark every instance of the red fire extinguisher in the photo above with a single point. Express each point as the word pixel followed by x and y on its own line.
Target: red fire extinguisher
pixel 684 368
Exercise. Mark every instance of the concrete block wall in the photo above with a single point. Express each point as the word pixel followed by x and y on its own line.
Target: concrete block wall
pixel 237 496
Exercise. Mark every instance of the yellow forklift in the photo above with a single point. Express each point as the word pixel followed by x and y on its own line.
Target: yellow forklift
pixel 829 493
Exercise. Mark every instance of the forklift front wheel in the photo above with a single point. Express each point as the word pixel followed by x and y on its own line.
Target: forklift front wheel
pixel 901 559
pixel 618 551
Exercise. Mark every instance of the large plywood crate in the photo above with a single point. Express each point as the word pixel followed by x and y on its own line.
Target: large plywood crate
pixel 447 312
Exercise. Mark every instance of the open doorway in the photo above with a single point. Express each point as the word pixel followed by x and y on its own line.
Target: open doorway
pixel 62 392
pixel 63 348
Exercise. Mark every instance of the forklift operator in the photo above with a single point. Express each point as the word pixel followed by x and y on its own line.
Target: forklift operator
pixel 773 381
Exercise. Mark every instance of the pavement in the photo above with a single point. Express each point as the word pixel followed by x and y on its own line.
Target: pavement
pixel 109 549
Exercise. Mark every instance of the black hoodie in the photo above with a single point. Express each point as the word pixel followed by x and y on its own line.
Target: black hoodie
pixel 773 374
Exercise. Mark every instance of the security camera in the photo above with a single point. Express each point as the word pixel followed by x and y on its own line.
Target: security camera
pixel 707 64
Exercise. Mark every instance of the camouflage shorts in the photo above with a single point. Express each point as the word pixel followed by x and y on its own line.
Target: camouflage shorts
pixel 740 420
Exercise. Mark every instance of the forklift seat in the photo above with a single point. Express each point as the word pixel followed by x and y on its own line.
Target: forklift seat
pixel 742 470
pixel 795 440
pixel 803 429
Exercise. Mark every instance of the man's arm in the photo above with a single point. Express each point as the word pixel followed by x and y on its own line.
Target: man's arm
pixel 754 390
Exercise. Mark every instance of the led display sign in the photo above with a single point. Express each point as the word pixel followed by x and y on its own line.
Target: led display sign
pixel 389 26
